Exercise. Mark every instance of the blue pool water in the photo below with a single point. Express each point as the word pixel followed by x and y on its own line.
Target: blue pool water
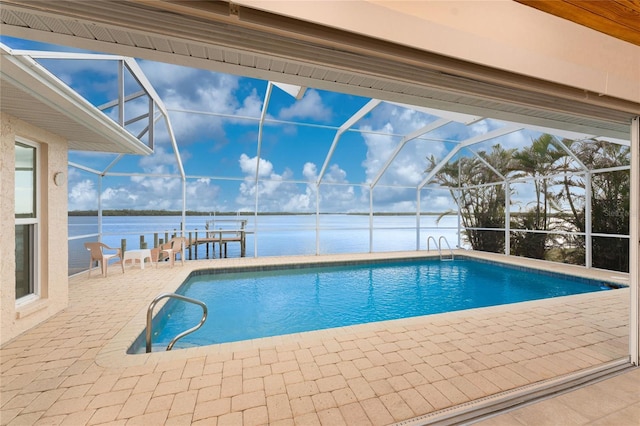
pixel 248 305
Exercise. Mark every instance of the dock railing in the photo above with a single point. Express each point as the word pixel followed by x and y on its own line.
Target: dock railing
pixel 228 231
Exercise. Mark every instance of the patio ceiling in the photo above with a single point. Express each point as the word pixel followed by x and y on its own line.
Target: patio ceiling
pixel 617 18
pixel 230 38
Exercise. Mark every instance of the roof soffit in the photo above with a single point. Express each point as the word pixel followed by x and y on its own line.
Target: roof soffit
pixel 261 45
pixel 32 94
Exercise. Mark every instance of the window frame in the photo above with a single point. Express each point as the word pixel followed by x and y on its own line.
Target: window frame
pixel 34 222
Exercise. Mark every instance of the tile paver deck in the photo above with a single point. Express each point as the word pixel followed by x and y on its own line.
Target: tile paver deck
pixel 73 368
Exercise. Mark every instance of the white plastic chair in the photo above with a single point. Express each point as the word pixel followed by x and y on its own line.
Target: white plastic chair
pixel 96 252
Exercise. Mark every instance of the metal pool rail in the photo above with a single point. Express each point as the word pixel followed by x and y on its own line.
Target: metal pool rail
pixel 438 245
pixel 184 333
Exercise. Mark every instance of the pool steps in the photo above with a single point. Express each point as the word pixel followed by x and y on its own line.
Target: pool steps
pixel 438 245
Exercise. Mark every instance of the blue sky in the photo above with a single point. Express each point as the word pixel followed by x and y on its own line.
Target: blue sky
pixel 221 153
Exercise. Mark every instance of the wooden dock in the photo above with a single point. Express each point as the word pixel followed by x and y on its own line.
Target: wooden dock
pixel 229 231
pixel 221 238
pixel 234 231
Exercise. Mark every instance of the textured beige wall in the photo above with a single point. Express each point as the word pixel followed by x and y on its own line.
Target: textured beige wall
pixel 7 230
pixel 53 229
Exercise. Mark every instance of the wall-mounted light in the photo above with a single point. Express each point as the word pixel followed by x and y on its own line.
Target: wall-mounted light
pixel 58 178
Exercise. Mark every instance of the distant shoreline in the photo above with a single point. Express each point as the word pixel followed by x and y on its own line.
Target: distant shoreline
pixel 127 212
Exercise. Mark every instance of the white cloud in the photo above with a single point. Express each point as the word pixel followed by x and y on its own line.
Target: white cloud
pixel 335 175
pixel 82 195
pixel 160 162
pixel 517 140
pixel 251 106
pixel 407 170
pixel 73 73
pixel 202 195
pixel 310 171
pixel 408 167
pixel 300 202
pixel 480 128
pixel 272 190
pixel 379 149
pixel 436 200
pixel 277 194
pixel 144 192
pixel 204 91
pixel 113 197
pixel 179 87
pixel 310 106
pixel 250 165
pixel 161 194
pixel 200 90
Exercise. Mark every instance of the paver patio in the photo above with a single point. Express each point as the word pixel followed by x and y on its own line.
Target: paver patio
pixel 73 369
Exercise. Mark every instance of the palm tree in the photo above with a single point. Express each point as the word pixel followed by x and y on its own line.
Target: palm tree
pixel 480 206
pixel 537 161
pixel 610 193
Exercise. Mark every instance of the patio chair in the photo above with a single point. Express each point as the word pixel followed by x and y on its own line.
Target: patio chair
pixel 171 250
pixel 97 254
pixel 159 254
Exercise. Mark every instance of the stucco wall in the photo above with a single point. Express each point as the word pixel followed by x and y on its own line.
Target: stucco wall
pixel 53 228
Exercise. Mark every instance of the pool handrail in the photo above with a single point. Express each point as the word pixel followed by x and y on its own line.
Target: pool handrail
pixel 438 246
pixel 442 237
pixel 435 243
pixel 184 333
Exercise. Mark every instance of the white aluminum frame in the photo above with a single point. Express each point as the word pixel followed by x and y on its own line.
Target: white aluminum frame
pixel 36 222
pixel 130 65
pixel 634 245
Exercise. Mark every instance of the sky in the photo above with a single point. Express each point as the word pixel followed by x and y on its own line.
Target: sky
pixel 214 118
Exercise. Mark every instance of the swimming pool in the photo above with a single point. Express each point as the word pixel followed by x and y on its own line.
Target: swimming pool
pixel 271 301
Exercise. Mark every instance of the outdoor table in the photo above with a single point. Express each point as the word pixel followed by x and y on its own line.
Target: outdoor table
pixel 139 255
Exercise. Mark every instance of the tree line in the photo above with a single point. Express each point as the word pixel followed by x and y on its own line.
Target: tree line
pixel 553 171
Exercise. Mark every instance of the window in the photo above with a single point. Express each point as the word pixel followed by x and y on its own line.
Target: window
pixel 26 214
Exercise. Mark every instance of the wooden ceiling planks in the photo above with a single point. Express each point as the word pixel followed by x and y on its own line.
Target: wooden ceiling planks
pixel 617 18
